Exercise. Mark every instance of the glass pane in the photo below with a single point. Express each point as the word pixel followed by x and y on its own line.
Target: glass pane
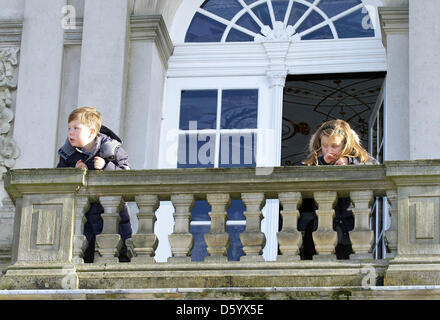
pixel 297 12
pixel 237 150
pixel 321 33
pixel 381 134
pixel 200 212
pixel 246 21
pixel 199 251
pixel 196 150
pixel 262 12
pixel 312 20
pixel 239 109
pixel 223 8
pixel 334 7
pixel 279 9
pixel 236 209
pixel 235 250
pixel 356 24
pixel 199 107
pixel 204 29
pixel 238 36
pixel 374 142
pixel 249 1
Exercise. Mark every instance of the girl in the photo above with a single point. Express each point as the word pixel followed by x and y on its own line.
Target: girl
pixel 334 143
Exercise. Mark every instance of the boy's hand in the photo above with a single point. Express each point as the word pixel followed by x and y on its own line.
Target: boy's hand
pixel 99 163
pixel 342 161
pixel 80 164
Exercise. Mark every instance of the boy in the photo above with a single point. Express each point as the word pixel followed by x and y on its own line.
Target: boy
pixel 95 147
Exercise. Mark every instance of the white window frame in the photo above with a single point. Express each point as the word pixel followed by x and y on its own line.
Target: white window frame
pixel 171 115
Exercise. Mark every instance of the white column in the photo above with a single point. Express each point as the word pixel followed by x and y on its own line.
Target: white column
pixel 395 27
pixel 424 77
pixel 39 82
pixel 150 49
pixel 102 80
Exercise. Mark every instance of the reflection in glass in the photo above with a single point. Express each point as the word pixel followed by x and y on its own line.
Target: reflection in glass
pixel 262 12
pixel 356 24
pixel 239 109
pixel 334 7
pixel 223 8
pixel 237 150
pixel 204 29
pixel 238 36
pixel 199 106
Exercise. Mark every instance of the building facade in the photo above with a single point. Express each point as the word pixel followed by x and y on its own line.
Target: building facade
pixel 217 84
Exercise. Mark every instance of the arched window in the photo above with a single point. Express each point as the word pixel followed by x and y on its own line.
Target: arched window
pixel 246 20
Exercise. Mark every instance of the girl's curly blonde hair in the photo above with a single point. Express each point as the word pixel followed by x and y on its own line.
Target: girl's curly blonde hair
pixel 336 128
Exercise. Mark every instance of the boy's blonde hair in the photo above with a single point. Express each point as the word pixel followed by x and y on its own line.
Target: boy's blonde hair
pixel 336 128
pixel 87 116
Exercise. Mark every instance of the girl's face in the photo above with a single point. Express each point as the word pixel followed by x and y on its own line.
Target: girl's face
pixel 331 148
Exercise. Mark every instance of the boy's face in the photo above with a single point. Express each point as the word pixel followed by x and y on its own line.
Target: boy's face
pixel 80 135
pixel 331 148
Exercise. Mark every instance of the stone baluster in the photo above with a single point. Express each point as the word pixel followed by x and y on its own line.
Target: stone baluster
pixel 252 239
pixel 325 238
pixel 217 239
pixel 362 237
pixel 145 241
pixel 391 233
pixel 289 238
pixel 82 205
pixel 181 240
pixel 109 241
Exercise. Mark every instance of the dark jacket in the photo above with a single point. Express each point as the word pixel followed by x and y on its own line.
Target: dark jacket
pixel 108 147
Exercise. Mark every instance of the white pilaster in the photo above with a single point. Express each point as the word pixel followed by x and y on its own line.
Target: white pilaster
pixel 424 75
pixel 102 80
pixel 395 27
pixel 150 49
pixel 39 82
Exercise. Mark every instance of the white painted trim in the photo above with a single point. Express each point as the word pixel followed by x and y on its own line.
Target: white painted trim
pixel 304 57
pixel 183 18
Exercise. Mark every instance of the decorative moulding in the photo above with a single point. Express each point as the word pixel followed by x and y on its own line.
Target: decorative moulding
pixel 394 20
pixel 10 33
pixel 8 148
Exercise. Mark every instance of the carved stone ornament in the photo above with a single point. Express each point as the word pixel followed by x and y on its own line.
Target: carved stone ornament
pixel 8 148
pixel 278 33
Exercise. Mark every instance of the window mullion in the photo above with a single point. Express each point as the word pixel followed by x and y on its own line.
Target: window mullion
pixel 217 135
pixel 271 13
pixel 288 11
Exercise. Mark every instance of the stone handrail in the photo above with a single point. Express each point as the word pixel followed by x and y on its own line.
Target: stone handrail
pixel 50 207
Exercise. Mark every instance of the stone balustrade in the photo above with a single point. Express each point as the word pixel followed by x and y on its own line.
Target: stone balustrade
pixel 50 206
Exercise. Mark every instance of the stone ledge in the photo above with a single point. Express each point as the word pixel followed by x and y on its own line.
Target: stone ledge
pixel 233 293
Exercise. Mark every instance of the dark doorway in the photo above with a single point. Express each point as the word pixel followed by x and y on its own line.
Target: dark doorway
pixel 310 100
